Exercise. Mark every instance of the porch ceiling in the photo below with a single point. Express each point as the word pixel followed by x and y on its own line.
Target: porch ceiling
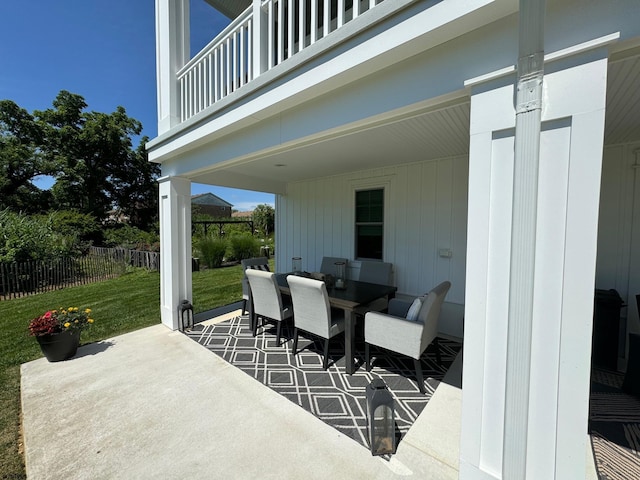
pixel 230 8
pixel 622 124
pixel 428 135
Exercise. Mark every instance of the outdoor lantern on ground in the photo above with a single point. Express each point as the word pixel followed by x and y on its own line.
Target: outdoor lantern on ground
pixel 381 418
pixel 185 308
pixel 340 274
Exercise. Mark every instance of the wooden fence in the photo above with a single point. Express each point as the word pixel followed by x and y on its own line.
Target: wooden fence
pixel 135 258
pixel 18 279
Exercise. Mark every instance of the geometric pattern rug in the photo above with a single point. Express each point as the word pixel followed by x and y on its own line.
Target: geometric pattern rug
pixel 614 425
pixel 333 396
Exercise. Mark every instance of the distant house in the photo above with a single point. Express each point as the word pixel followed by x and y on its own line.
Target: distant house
pixel 211 204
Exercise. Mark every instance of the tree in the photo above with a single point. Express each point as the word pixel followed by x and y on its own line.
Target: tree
pixel 135 192
pixel 264 219
pixel 21 160
pixel 96 168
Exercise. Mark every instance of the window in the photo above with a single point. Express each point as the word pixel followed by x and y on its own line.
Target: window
pixel 369 223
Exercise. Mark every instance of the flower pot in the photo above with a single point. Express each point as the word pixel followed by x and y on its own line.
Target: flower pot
pixel 59 346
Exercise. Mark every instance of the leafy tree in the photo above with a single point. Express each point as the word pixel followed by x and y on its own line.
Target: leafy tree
pixel 264 219
pixel 21 160
pixel 96 168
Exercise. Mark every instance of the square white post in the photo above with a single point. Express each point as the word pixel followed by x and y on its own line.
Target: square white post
pixel 565 239
pixel 172 53
pixel 175 247
pixel 260 39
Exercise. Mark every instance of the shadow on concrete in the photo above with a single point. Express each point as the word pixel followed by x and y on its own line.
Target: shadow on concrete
pixel 93 348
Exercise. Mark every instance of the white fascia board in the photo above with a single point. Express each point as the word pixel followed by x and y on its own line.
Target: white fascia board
pixel 548 58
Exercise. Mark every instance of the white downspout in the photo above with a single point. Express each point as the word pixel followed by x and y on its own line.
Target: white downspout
pixel 525 199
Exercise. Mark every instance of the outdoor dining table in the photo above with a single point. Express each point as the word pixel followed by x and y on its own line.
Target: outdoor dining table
pixel 353 295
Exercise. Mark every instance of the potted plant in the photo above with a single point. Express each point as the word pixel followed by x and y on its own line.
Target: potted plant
pixel 58 331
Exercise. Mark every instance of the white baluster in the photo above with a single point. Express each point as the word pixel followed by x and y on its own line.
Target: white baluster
pixel 216 75
pixel 242 54
pixel 327 16
pixel 182 98
pixel 228 68
pixel 271 49
pixel 314 21
pixel 302 14
pixel 281 27
pixel 234 61
pixel 290 23
pixel 250 52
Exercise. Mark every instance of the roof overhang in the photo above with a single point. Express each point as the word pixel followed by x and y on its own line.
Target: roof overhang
pixel 230 8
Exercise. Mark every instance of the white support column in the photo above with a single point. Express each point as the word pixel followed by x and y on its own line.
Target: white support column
pixel 172 53
pixel 551 430
pixel 175 247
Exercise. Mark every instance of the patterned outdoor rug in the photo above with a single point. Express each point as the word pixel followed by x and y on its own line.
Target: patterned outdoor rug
pixel 614 425
pixel 334 397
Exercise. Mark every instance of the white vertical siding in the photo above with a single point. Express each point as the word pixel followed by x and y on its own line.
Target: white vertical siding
pixel 618 261
pixel 425 211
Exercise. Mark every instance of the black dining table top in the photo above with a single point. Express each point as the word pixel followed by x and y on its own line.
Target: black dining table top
pixel 353 294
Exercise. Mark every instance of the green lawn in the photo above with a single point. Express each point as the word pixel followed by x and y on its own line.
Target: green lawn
pixel 118 306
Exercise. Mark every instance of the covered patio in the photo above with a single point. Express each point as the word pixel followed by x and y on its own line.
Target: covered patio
pixel 334 396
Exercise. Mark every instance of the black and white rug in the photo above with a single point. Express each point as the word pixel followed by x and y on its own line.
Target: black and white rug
pixel 614 425
pixel 334 397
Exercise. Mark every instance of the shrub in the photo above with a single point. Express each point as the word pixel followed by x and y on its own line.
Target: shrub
pixel 126 236
pixel 244 246
pixel 26 238
pixel 211 251
pixel 67 222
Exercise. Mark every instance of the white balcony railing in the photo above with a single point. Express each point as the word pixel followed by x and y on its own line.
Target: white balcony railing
pixel 235 57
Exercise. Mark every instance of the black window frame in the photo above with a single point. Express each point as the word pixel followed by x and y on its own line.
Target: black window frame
pixel 371 214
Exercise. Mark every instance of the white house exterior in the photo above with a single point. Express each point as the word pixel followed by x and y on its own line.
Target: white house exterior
pixel 508 159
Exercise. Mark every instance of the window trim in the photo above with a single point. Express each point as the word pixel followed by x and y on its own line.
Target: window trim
pixel 384 183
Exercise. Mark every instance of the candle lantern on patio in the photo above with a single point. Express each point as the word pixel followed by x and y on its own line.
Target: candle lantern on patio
pixel 381 418
pixel 340 274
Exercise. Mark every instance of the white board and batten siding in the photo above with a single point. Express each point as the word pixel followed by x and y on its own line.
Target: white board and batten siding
pixel 618 260
pixel 425 220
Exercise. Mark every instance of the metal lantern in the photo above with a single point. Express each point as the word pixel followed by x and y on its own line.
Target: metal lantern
pixel 381 418
pixel 185 308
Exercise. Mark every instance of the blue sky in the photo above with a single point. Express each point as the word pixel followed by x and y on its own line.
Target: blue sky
pixel 104 51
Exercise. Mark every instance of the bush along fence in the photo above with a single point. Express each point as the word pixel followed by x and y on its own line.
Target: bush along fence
pixel 18 279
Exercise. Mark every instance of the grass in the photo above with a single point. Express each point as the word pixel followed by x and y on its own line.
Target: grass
pixel 120 305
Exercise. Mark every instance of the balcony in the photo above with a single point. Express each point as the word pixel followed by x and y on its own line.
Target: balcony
pixel 266 34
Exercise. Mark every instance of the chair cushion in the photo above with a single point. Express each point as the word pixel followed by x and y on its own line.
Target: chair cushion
pixel 264 268
pixel 414 309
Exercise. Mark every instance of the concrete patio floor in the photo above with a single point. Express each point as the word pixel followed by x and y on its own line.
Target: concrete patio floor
pixel 154 404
